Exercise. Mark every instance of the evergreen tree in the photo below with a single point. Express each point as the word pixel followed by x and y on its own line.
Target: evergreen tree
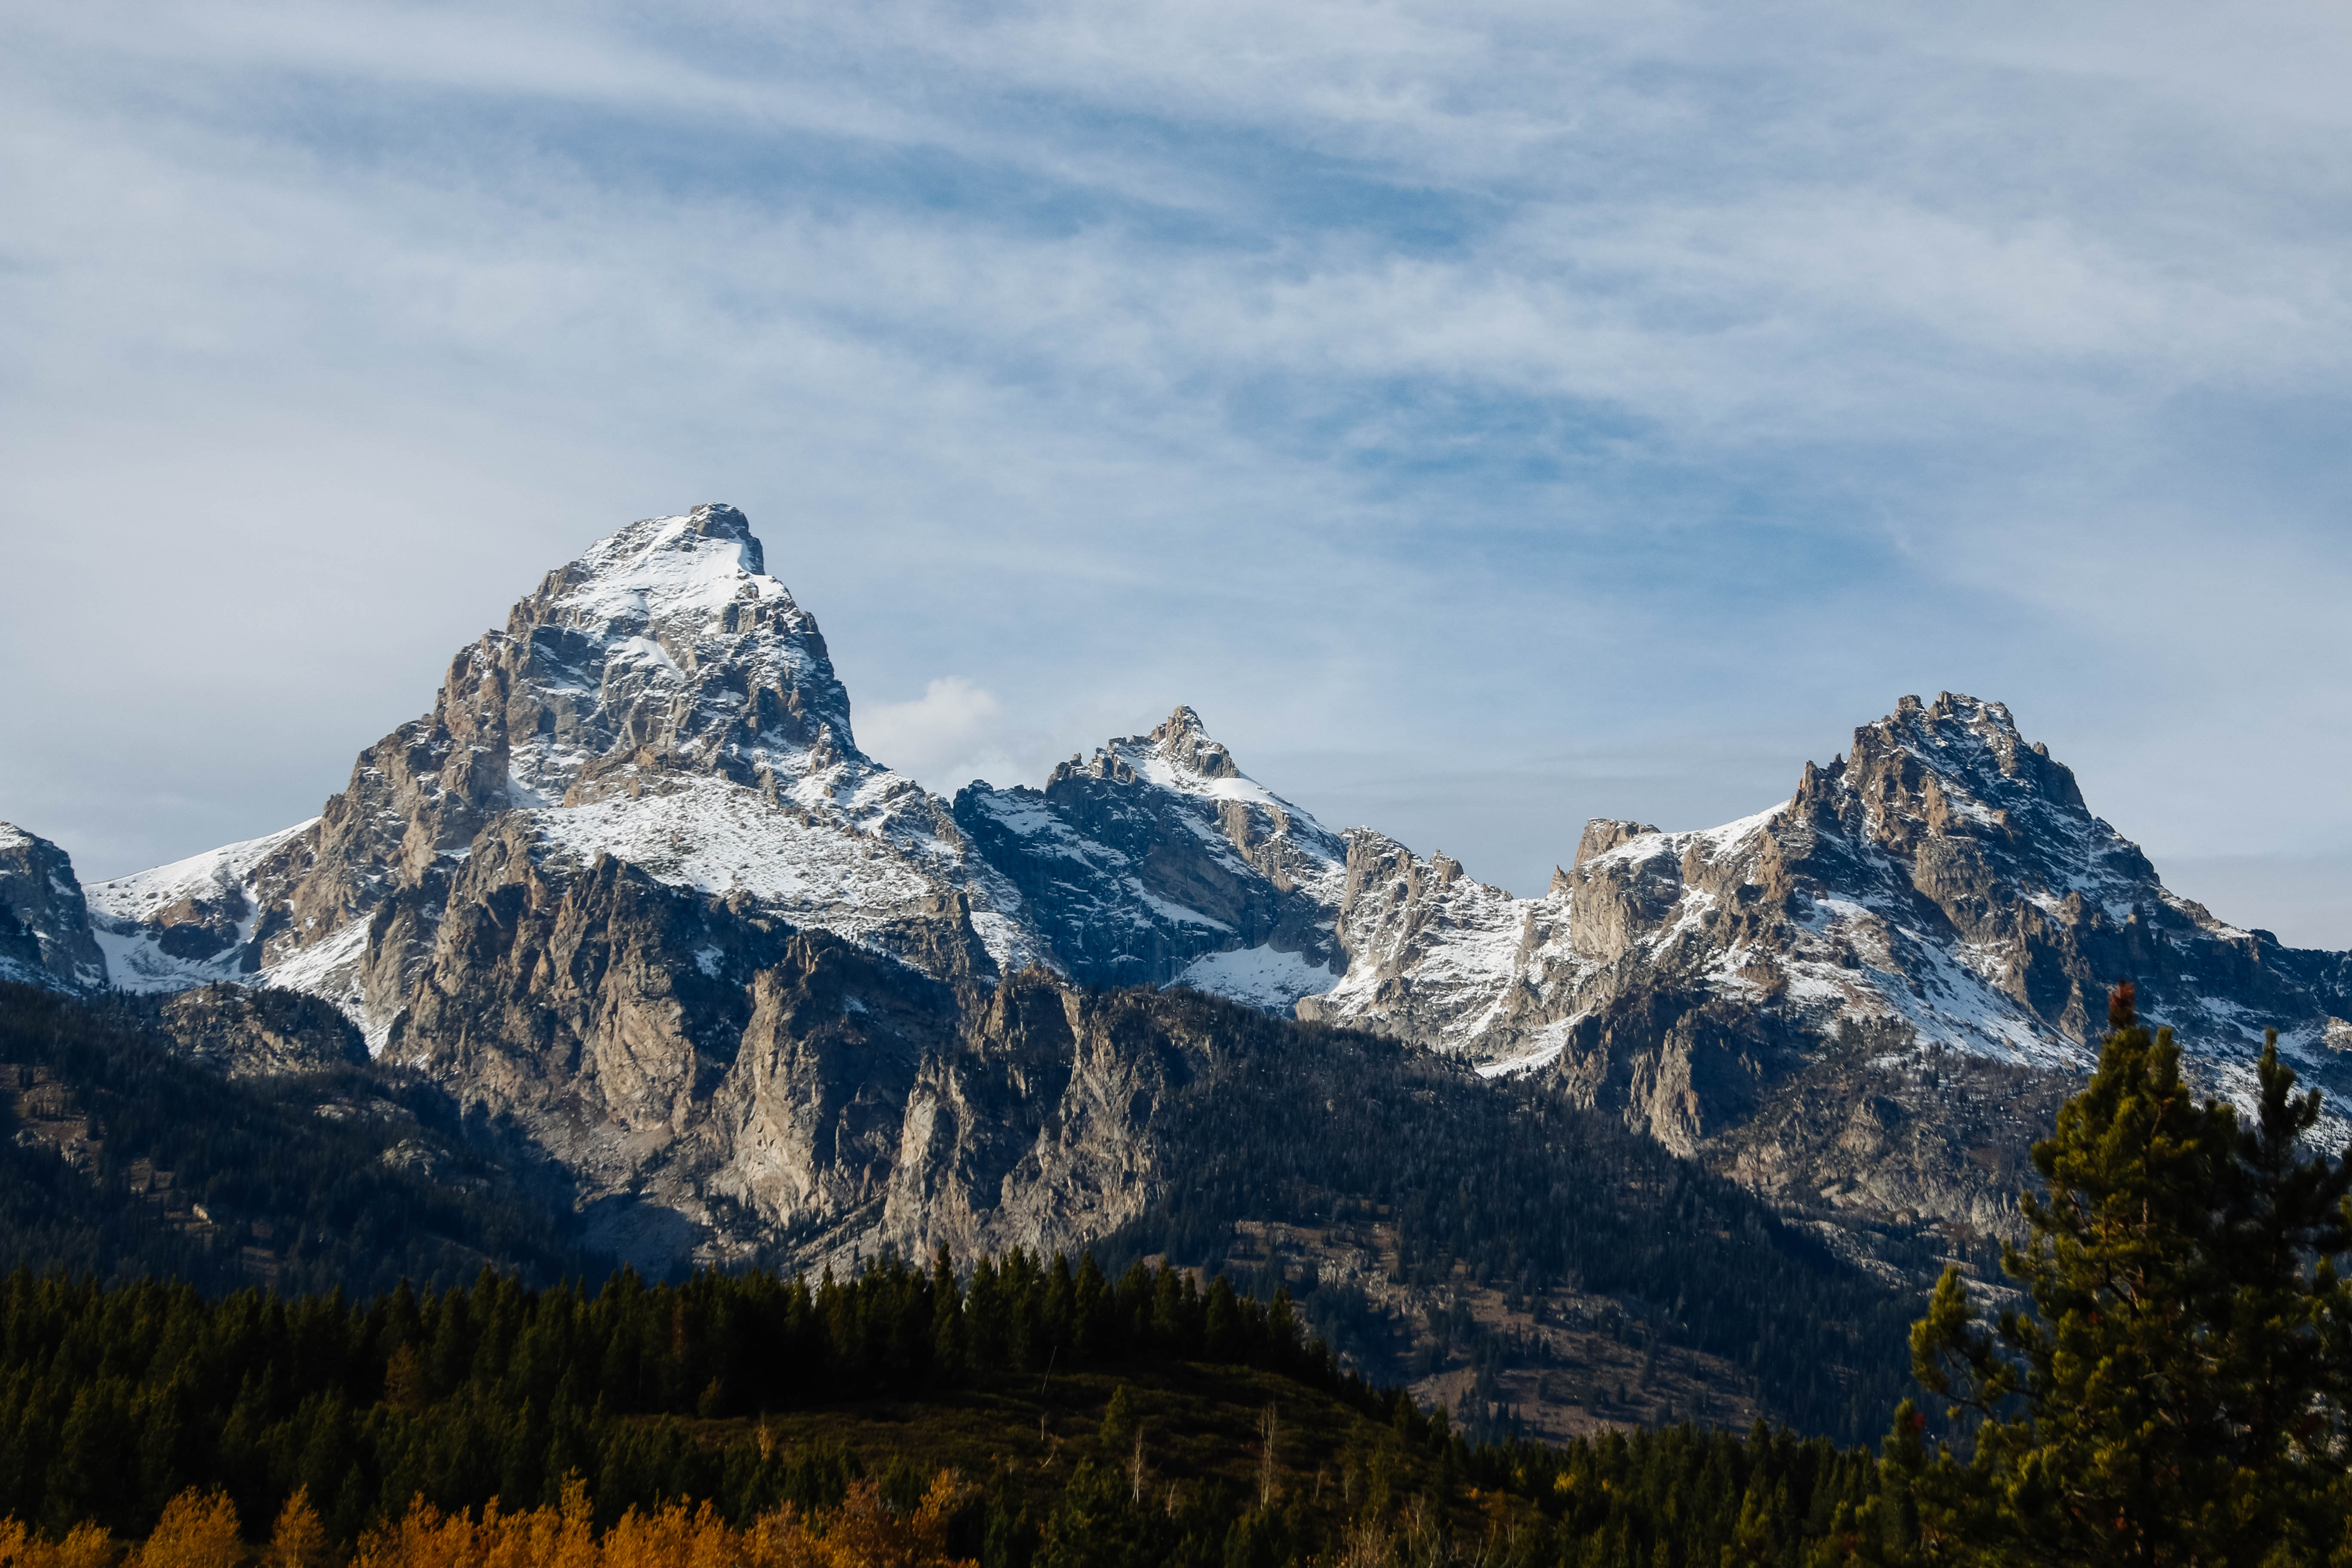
pixel 2177 1394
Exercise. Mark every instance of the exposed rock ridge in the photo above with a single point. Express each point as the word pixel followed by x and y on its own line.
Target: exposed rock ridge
pixel 1434 954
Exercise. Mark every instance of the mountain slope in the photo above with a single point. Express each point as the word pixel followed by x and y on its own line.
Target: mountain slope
pixel 132 1146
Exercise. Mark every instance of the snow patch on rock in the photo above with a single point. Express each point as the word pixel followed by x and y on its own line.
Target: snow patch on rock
pixel 1260 977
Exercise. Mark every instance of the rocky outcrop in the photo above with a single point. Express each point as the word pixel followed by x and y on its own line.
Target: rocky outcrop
pixel 1433 953
pixel 243 1031
pixel 45 936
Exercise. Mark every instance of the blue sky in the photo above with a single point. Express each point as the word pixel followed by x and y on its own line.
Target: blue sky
pixel 1486 416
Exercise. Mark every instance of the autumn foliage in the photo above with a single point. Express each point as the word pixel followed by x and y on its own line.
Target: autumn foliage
pixel 200 1530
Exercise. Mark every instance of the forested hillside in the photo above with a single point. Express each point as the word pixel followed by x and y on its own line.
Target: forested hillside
pixel 123 1160
pixel 1088 1420
pixel 1427 1221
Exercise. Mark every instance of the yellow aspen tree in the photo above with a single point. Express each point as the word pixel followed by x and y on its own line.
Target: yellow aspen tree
pixel 300 1540
pixel 86 1545
pixel 197 1530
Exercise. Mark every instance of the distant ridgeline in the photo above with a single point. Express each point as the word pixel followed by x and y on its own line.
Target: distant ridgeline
pixel 1186 1425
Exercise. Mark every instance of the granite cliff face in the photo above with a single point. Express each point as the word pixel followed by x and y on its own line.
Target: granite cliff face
pixel 724 1084
pixel 44 924
pixel 632 884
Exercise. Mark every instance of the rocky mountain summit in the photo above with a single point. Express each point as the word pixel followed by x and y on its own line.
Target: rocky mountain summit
pixel 632 885
pixel 1945 882
pixel 661 700
pixel 1865 999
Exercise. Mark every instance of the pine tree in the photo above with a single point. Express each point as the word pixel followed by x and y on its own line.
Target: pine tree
pixel 2177 1394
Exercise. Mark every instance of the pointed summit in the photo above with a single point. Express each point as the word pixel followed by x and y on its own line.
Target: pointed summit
pixel 666 645
pixel 659 699
pixel 1181 741
pixel 1973 743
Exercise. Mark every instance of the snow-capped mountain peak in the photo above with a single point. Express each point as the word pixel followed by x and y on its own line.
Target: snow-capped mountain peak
pixel 1187 748
pixel 1178 755
pixel 663 568
pixel 661 700
pixel 666 646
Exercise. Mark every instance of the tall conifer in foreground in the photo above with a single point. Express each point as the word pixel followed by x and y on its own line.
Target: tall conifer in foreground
pixel 2177 1392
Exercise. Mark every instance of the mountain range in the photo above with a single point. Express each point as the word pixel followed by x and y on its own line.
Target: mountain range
pixel 631 889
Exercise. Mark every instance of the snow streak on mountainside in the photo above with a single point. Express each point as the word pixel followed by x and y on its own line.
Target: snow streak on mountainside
pixel 193 921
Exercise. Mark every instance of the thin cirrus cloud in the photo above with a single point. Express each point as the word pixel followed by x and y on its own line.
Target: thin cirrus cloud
pixel 1486 416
